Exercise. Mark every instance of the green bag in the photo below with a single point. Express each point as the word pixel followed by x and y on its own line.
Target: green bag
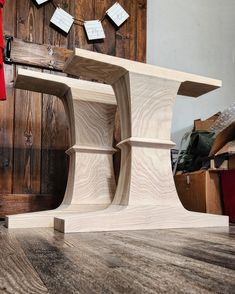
pixel 197 151
pixel 200 143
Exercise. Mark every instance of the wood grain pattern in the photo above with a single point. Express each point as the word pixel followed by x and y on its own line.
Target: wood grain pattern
pixel 146 197
pixel 83 10
pixel 107 45
pixel 27 132
pixel 17 275
pixel 27 143
pixel 91 109
pixel 133 31
pixel 23 203
pixel 125 46
pixel 124 34
pixel 55 139
pixel 141 32
pixel 46 56
pixel 7 110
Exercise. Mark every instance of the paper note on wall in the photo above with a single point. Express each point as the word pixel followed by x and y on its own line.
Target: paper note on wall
pixel 94 30
pixel 39 2
pixel 118 14
pixel 62 20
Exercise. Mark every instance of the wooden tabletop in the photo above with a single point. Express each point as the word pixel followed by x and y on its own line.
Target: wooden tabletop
pixel 109 69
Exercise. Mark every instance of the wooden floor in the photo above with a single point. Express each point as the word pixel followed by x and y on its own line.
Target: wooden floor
pixel 159 261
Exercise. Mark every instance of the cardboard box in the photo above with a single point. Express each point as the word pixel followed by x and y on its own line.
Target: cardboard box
pixel 200 191
pixel 224 137
pixel 225 157
pixel 204 125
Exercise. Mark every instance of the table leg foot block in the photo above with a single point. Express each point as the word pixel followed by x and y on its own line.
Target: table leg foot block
pixel 117 217
pixel 45 219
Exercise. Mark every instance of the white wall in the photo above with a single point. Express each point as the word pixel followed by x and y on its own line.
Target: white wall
pixel 196 36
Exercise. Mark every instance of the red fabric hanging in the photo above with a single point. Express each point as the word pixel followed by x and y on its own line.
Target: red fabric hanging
pixel 2 80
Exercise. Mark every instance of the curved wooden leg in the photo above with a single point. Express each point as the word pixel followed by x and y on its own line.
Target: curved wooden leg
pixel 91 110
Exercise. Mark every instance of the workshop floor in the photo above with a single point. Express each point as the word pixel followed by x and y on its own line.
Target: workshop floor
pixel 157 261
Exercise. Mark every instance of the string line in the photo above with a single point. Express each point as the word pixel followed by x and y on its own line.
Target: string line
pixel 77 20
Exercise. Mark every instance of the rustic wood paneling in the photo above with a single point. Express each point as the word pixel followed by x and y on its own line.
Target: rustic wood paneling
pixel 10 203
pixel 7 110
pixel 33 127
pixel 108 45
pixel 140 47
pixel 54 122
pixel 28 109
pixel 84 10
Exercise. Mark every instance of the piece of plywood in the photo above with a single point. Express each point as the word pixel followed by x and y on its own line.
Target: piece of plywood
pixel 145 197
pixel 91 109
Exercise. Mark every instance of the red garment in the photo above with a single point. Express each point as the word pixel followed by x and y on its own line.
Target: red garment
pixel 1 34
pixel 2 80
pixel 228 192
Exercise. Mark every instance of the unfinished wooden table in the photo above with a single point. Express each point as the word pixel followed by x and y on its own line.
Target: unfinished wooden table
pixel 91 109
pixel 146 197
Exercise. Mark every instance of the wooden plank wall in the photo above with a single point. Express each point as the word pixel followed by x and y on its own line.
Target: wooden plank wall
pixel 33 127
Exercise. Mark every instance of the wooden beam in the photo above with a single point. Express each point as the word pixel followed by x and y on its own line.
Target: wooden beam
pixel 38 55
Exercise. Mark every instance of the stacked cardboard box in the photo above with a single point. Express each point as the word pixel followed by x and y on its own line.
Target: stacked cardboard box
pixel 204 125
pixel 224 149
